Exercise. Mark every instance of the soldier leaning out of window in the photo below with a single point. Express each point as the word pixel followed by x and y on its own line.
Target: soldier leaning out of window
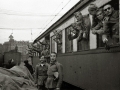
pixel 108 25
pixel 113 22
pixel 101 28
pixel 78 28
pixel 83 22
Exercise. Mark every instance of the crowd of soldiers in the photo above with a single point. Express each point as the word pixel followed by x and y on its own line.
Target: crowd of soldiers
pixel 102 21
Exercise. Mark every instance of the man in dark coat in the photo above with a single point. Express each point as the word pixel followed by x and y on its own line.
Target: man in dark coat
pixel 30 68
pixel 113 22
pixel 102 28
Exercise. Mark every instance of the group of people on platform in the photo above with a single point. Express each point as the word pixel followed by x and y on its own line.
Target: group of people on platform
pixel 101 21
pixel 48 76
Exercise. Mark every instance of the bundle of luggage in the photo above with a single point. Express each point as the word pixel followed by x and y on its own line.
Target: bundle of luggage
pixel 16 78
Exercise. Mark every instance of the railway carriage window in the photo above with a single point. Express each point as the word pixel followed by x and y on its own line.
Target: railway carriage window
pixel 58 39
pixel 59 44
pixel 40 47
pixel 99 41
pixel 68 42
pixel 52 44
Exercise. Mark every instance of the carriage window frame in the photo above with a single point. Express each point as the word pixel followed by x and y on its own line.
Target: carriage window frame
pixel 52 44
pixel 66 39
pixel 52 39
pixel 60 45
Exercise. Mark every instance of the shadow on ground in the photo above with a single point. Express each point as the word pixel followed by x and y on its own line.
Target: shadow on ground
pixel 67 86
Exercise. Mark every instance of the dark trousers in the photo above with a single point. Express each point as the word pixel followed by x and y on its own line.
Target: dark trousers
pixel 41 87
pixel 51 89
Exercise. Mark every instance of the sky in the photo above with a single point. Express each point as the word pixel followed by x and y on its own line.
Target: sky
pixel 27 19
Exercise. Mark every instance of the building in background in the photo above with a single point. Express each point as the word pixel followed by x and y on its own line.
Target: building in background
pixel 21 46
pixel 1 49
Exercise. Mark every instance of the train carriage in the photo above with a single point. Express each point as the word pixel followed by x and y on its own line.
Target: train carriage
pixel 92 68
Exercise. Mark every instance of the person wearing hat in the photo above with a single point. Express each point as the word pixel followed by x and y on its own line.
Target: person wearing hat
pixel 41 73
pixel 55 73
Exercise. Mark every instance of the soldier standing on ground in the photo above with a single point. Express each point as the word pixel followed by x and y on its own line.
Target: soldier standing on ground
pixel 41 73
pixel 55 73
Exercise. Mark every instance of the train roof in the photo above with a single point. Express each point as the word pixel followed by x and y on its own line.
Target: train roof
pixel 79 5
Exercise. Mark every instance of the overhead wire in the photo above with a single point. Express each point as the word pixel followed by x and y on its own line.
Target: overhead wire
pixel 18 13
pixel 28 14
pixel 20 28
pixel 54 11
pixel 39 15
pixel 48 19
pixel 57 14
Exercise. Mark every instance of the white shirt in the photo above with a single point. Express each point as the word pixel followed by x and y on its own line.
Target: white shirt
pixel 91 19
pixel 93 39
pixel 42 65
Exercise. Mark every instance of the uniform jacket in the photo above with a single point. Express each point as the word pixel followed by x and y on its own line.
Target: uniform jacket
pixel 110 24
pixel 114 17
pixel 102 25
pixel 41 73
pixel 86 25
pixel 45 53
pixel 51 81
pixel 30 68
